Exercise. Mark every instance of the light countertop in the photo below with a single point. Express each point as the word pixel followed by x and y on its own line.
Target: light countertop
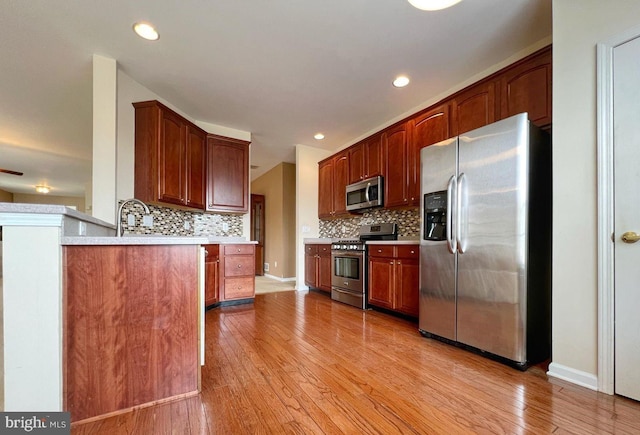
pixel 151 239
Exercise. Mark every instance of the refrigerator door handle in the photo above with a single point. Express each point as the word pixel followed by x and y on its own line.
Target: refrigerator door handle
pixel 461 212
pixel 451 190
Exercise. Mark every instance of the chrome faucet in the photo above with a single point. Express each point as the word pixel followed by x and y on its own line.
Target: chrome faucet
pixel 119 215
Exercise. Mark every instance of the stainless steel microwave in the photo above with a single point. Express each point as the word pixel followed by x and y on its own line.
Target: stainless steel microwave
pixel 365 194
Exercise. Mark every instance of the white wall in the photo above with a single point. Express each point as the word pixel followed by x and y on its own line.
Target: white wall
pixel 577 27
pixel 307 159
pixel 104 139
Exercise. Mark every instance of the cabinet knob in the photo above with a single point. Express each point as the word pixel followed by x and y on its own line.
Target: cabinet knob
pixel 413 252
pixel 239 266
pixel 391 262
pixel 399 262
pixel 379 250
pixel 206 252
pixel 238 249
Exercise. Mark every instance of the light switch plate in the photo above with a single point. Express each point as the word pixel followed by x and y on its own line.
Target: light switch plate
pixel 147 220
pixel 131 219
pixel 225 226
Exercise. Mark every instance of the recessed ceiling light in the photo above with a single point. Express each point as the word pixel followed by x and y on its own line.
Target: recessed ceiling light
pixel 401 81
pixel 42 189
pixel 146 31
pixel 318 136
pixel 433 5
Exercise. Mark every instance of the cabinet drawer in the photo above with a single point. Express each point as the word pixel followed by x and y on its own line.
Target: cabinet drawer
pixel 246 249
pixel 381 250
pixel 311 249
pixel 239 265
pixel 239 288
pixel 408 251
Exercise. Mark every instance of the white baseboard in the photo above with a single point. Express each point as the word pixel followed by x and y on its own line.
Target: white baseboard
pixel 574 376
pixel 302 288
pixel 277 278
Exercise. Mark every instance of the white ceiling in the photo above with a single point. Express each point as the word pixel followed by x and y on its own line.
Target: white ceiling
pixel 280 69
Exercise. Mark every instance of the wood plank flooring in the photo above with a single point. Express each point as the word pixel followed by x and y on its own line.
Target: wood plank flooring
pixel 296 362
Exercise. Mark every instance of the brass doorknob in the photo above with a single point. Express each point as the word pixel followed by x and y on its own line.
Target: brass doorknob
pixel 630 237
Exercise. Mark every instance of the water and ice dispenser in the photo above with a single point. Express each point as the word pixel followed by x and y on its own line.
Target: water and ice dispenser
pixel 435 216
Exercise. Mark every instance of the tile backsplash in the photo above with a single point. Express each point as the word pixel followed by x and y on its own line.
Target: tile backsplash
pixel 172 222
pixel 408 221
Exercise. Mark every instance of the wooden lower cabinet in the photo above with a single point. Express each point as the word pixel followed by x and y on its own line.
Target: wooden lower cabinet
pixel 131 326
pixel 237 272
pixel 317 266
pixel 394 278
pixel 212 275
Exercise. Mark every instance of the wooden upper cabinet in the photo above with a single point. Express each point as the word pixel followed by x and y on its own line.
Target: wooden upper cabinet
pixel 474 107
pixel 365 159
pixel 169 157
pixel 432 126
pixel 526 87
pixel 196 165
pixel 325 189
pixel 227 174
pixel 396 143
pixel 340 182
pixel 333 178
pixel 172 159
pixel 428 128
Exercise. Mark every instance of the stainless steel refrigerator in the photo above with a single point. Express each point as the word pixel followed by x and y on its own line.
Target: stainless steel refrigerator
pixel 485 241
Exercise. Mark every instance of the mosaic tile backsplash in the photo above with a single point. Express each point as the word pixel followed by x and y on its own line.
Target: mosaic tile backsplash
pixel 173 222
pixel 408 223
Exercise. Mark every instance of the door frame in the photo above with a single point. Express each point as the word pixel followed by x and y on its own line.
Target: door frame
pixel 605 149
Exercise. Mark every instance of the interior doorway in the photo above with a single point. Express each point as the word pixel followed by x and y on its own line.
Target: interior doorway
pixel 618 215
pixel 258 230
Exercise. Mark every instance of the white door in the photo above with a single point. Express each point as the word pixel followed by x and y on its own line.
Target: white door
pixel 626 96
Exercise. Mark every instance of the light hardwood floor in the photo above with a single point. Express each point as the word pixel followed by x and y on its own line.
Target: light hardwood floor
pixel 296 362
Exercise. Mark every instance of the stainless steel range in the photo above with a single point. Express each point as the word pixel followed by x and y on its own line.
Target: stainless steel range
pixel 349 264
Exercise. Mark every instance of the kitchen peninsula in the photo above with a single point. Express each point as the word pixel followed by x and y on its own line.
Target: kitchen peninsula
pixel 96 324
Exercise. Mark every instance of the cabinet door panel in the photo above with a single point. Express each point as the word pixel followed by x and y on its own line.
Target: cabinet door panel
pixel 340 181
pixel 325 189
pixel 196 167
pixel 432 127
pixel 373 157
pixel 381 282
pixel 172 159
pixel 227 175
pixel 310 273
pixel 324 272
pixel 356 163
pixel 527 88
pixel 407 287
pixel 475 107
pixel 396 152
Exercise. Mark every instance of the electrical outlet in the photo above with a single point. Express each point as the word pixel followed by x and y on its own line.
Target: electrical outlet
pixel 225 226
pixel 275 264
pixel 131 219
pixel 147 220
pixel 186 225
pixel 266 267
pixel 306 229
